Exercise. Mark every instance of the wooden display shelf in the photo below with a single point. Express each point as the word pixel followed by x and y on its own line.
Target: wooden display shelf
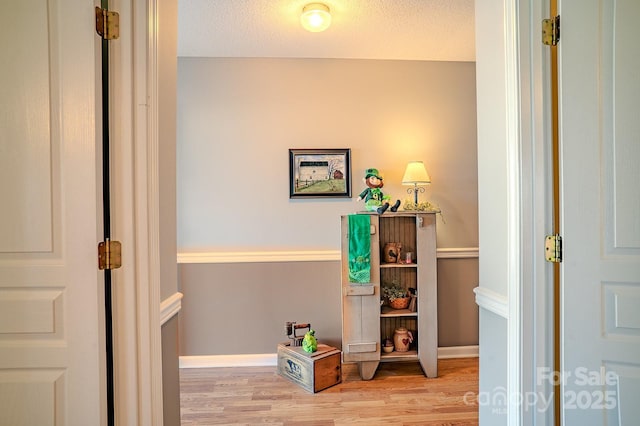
pixel 388 312
pixel 396 356
pixel 366 324
pixel 399 265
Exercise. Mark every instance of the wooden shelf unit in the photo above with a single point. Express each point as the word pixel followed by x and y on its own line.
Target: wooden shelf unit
pixel 365 323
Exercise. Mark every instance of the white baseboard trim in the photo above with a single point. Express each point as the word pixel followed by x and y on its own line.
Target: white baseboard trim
pixel 271 360
pixel 170 306
pixel 492 301
pixel 300 256
pixel 213 361
pixel 448 352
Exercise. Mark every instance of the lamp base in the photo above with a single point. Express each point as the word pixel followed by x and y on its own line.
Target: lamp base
pixel 415 191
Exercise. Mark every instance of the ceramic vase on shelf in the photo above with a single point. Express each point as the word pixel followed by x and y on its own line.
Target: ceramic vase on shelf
pixel 391 252
pixel 402 339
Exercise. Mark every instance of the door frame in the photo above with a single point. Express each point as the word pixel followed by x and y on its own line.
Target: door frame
pixel 135 214
pixel 138 347
pixel 530 194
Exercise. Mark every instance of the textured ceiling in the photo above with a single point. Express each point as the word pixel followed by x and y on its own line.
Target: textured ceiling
pixel 437 30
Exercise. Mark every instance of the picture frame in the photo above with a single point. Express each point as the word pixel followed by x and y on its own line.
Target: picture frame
pixel 319 173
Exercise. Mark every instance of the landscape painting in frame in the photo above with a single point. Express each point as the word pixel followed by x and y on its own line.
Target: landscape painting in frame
pixel 319 173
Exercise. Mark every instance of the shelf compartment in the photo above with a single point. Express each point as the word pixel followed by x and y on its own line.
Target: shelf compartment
pixel 405 276
pixel 398 229
pixel 388 326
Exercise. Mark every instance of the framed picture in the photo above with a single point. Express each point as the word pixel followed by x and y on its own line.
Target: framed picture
pixel 319 173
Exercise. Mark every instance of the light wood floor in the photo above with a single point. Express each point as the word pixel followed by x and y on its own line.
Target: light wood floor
pixel 398 395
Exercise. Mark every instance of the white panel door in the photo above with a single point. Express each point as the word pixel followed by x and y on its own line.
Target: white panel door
pixel 50 315
pixel 599 63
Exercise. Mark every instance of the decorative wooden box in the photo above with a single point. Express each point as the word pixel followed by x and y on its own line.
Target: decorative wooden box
pixel 312 371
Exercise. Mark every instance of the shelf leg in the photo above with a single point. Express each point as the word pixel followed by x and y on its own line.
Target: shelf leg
pixel 367 369
pixel 429 366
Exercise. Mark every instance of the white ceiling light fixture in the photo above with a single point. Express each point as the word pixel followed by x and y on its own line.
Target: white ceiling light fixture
pixel 315 17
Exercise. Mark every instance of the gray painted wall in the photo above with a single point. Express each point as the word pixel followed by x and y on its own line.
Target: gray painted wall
pixel 457 310
pixel 170 373
pixel 241 308
pixel 237 119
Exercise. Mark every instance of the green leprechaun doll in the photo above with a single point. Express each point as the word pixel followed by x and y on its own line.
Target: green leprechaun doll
pixel 374 199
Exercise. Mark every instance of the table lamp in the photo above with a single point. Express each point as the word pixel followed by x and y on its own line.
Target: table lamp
pixel 416 174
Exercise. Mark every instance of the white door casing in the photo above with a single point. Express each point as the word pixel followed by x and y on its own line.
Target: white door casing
pixel 51 320
pixel 599 104
pixel 51 315
pixel 135 211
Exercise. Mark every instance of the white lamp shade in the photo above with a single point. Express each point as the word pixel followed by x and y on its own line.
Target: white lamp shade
pixel 416 174
pixel 315 17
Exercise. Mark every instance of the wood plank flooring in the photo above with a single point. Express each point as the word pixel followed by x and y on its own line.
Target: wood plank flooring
pixel 398 395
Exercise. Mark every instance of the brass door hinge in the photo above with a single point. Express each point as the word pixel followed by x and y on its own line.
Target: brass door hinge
pixel 553 248
pixel 109 255
pixel 551 31
pixel 107 24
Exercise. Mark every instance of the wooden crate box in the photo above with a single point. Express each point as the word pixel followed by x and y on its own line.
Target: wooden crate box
pixel 312 371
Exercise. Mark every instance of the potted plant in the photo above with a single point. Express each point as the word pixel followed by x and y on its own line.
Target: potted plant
pixel 397 295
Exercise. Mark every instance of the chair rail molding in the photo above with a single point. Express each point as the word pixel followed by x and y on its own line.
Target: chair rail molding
pixel 492 301
pixel 170 306
pixel 298 255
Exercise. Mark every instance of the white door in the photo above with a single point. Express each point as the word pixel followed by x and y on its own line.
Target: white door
pixel 50 309
pixel 599 71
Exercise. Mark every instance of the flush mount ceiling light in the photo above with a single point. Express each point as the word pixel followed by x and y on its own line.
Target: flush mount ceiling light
pixel 315 17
